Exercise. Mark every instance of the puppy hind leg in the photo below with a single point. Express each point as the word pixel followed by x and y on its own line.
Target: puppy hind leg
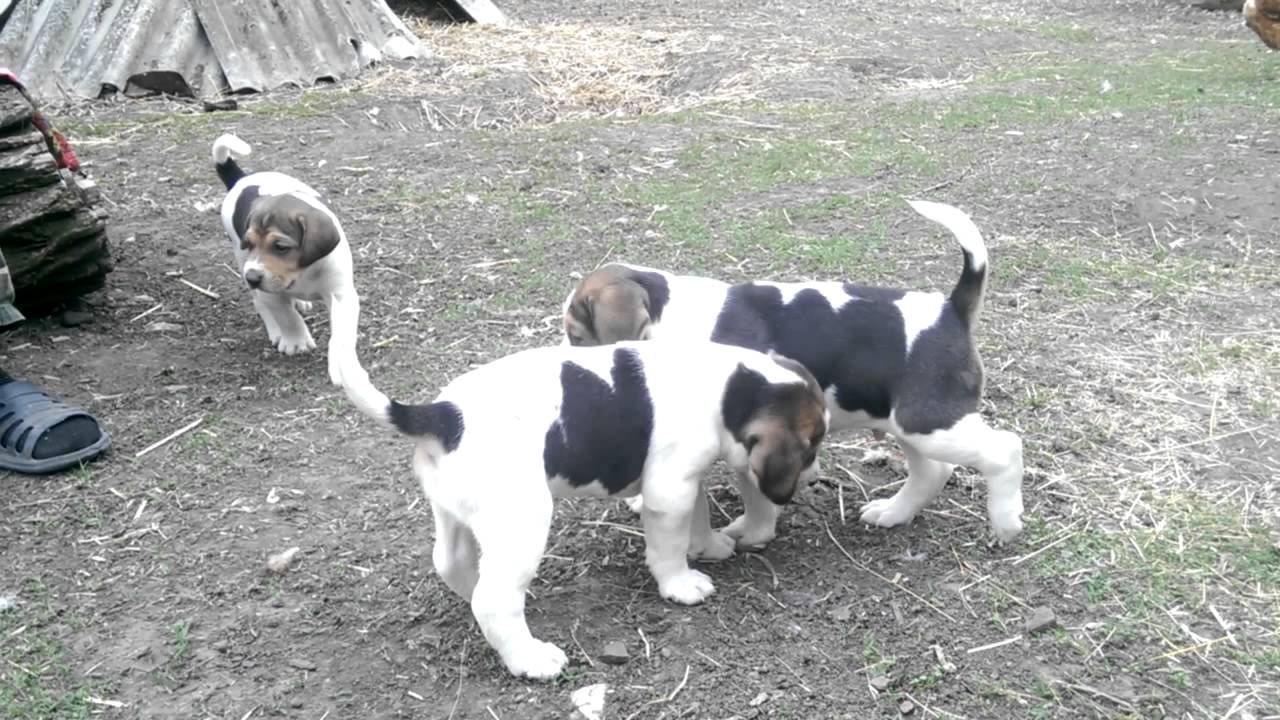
pixel 997 454
pixel 925 479
pixel 455 555
pixel 511 546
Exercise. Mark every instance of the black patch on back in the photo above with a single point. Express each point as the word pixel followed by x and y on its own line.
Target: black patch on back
pixel 655 285
pixel 240 216
pixel 443 420
pixel 860 350
pixel 602 433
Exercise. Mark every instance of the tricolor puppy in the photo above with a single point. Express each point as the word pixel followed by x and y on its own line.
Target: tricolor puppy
pixel 290 249
pixel 896 361
pixel 500 442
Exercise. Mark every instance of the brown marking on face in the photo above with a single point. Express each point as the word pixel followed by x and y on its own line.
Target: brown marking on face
pixel 286 235
pixel 608 306
pixel 783 436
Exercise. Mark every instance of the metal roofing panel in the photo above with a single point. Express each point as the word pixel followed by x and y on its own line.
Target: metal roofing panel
pixel 264 45
pixel 199 46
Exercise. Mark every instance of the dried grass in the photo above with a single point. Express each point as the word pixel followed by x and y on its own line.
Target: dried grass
pixel 575 72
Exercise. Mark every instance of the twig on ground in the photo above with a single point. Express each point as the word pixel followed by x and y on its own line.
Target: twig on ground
pixel 863 567
pixel 170 437
pixel 994 645
pixel 197 288
pixel 573 633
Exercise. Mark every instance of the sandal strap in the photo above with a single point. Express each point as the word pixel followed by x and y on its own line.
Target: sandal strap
pixel 32 412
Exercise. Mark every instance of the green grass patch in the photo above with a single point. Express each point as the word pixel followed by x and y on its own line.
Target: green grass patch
pixel 1198 553
pixel 36 678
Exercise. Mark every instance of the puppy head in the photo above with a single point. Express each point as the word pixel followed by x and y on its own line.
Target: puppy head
pixel 285 235
pixel 612 304
pixel 779 423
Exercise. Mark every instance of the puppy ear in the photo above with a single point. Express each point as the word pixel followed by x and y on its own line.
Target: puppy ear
pixel 578 322
pixel 776 461
pixel 317 235
pixel 798 369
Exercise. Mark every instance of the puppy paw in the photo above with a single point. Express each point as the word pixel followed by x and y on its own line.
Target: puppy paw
pixel 885 512
pixel 1006 521
pixel 713 546
pixel 750 536
pixel 295 345
pixel 687 588
pixel 302 306
pixel 537 660
pixel 636 503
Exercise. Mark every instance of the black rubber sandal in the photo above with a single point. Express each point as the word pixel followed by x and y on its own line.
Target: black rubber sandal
pixel 29 421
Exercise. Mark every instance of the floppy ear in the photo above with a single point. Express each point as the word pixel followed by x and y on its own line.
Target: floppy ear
pixel 578 320
pixel 799 369
pixel 317 236
pixel 776 461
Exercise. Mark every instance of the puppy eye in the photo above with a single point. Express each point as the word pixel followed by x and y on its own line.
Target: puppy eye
pixel 282 246
pixel 575 340
pixel 751 442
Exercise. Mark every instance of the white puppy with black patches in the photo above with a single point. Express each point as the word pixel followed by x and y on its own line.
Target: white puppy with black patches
pixel 500 442
pixel 895 361
pixel 290 250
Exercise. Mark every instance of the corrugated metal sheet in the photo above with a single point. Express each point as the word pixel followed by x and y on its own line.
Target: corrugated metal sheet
pixel 263 45
pixel 201 47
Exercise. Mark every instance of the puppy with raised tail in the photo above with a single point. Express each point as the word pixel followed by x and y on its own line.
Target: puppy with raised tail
pixel 290 250
pixel 896 361
pixel 500 442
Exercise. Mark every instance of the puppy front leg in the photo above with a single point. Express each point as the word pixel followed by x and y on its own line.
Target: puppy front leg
pixel 705 543
pixel 667 515
pixel 344 322
pixel 285 327
pixel 758 524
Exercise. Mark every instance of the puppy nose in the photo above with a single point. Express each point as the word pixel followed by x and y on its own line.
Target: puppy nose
pixel 253 277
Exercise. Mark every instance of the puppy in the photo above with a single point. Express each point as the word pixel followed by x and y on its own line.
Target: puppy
pixel 895 361
pixel 290 249
pixel 500 442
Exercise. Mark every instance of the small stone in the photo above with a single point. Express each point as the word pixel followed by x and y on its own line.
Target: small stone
pixel 881 683
pixel 161 326
pixel 589 701
pixel 8 602
pixel 281 561
pixel 906 707
pixel 301 664
pixel 75 318
pixel 615 653
pixel 841 614
pixel 1042 618
pixel 795 598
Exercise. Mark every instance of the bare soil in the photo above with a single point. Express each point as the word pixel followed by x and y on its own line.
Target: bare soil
pixel 1124 174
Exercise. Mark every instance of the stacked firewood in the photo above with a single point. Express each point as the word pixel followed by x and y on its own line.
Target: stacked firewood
pixel 52 228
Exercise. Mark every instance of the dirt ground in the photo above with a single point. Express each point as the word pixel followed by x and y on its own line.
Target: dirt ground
pixel 1120 157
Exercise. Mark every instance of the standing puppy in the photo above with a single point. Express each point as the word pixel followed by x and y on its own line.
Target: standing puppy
pixel 896 361
pixel 500 442
pixel 290 249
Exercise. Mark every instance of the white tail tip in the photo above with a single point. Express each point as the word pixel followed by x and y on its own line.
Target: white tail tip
pixel 229 146
pixel 960 225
